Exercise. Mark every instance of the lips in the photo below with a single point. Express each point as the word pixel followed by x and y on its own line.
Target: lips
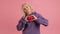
pixel 30 18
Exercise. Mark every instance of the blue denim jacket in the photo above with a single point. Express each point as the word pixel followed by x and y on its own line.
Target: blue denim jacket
pixel 34 26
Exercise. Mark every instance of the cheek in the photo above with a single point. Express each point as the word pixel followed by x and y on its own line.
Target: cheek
pixel 29 9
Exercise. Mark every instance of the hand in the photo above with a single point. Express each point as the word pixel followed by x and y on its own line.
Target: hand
pixel 29 18
pixel 34 17
pixel 26 18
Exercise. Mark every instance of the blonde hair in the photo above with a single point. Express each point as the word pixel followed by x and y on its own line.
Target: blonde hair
pixel 27 5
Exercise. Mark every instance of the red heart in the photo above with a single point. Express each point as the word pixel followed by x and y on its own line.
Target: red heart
pixel 30 18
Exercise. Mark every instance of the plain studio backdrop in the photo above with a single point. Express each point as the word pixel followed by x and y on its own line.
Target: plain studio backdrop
pixel 10 13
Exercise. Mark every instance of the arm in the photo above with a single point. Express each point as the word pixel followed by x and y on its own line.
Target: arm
pixel 20 25
pixel 41 20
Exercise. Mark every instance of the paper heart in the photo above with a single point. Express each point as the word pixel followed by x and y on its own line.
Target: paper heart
pixel 30 18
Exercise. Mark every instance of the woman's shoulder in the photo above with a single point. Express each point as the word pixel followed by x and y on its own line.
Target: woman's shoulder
pixel 36 13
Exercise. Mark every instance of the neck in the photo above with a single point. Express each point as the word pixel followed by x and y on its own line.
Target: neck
pixel 28 14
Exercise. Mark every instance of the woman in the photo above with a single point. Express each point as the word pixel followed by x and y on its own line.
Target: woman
pixel 30 23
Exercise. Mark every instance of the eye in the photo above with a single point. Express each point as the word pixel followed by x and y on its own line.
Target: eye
pixel 24 9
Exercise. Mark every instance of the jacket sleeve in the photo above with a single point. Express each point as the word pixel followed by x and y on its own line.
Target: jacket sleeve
pixel 20 24
pixel 41 20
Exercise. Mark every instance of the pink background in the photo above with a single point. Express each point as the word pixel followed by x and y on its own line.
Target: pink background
pixel 10 13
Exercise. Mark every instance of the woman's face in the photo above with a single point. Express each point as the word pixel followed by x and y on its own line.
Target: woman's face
pixel 27 9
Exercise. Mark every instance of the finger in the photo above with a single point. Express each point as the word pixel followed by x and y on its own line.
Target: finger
pixel 26 19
